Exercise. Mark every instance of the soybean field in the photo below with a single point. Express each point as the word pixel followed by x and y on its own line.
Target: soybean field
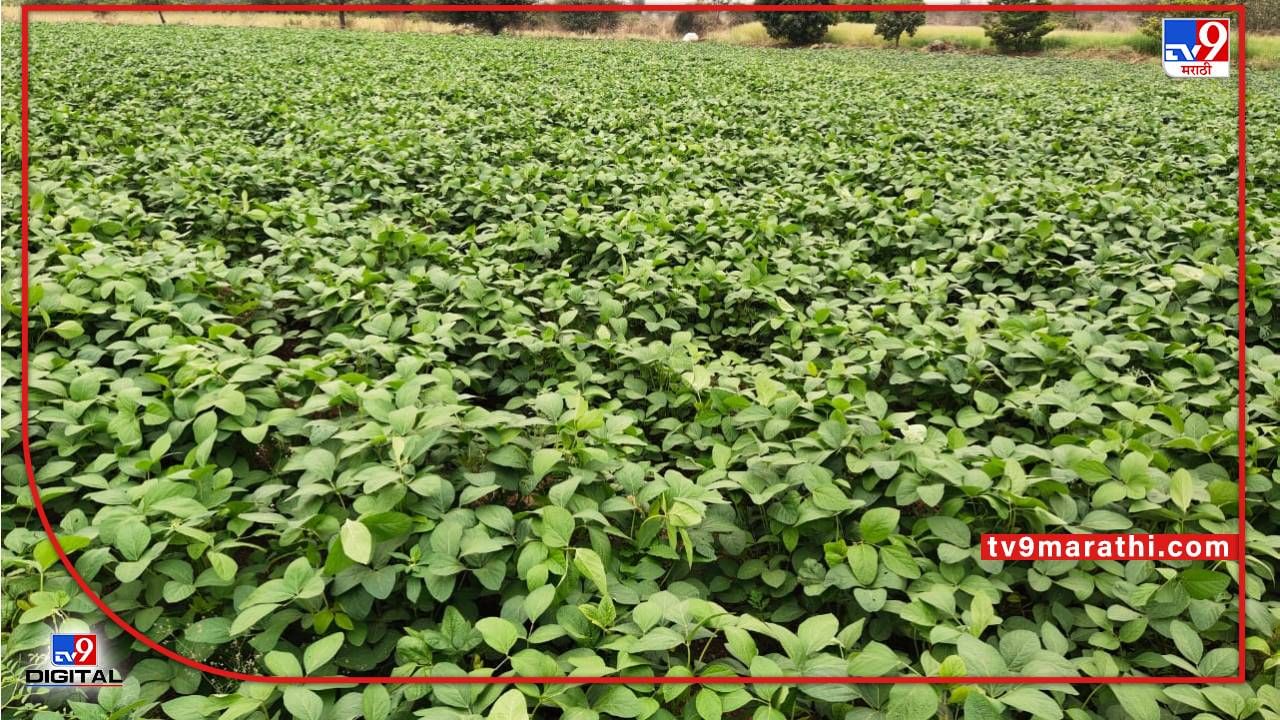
pixel 438 355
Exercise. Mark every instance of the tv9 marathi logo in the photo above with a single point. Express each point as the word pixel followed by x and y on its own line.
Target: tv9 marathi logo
pixel 1196 47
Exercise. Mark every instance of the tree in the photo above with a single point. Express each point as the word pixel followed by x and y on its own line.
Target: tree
pixel 891 25
pixel 491 22
pixel 1263 14
pixel 1018 32
pixel 588 22
pixel 796 28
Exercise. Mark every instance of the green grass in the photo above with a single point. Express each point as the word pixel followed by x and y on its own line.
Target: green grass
pixel 1092 39
pixel 863 35
pixel 1264 49
pixel 745 34
pixel 972 37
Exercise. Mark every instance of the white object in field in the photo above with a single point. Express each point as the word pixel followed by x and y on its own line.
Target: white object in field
pixel 690 37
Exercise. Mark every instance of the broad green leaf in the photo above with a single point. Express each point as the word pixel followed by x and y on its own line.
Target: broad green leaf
pixel 498 633
pixel 321 651
pixel 1187 641
pixel 1220 662
pixel 912 702
pixel 1203 584
pixel 1139 701
pixel 375 702
pixel 541 462
pixel 510 705
pixel 741 645
pixel 978 706
pixel 874 660
pixel 357 541
pixel 899 561
pixel 282 663
pixel 133 538
pixel 557 526
pixel 1035 702
pixel 981 614
pixel 213 631
pixel 68 329
pixel 815 633
pixel 223 565
pixel 863 563
pixel 590 565
pixel 708 704
pixel 980 658
pixel 878 524
pixel 303 704
pixel 1180 489
pixel 250 616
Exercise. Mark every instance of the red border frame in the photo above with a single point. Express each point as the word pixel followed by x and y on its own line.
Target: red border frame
pixel 141 637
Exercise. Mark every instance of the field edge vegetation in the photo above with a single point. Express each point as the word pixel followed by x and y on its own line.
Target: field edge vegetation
pixel 1128 45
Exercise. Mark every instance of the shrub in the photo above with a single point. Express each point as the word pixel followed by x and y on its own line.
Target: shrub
pixel 891 25
pixel 1018 32
pixel 588 22
pixel 796 28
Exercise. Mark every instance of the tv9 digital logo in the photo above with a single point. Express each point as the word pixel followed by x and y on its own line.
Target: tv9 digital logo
pixel 73 661
pixel 1196 47
pixel 74 650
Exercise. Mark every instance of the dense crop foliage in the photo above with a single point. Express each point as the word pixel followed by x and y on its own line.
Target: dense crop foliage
pixel 375 354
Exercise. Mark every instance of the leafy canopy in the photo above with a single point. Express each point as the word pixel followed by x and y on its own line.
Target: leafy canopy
pixel 1018 32
pixel 797 28
pixel 891 25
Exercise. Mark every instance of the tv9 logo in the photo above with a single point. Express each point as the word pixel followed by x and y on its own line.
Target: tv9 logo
pixel 1196 47
pixel 74 650
pixel 73 662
